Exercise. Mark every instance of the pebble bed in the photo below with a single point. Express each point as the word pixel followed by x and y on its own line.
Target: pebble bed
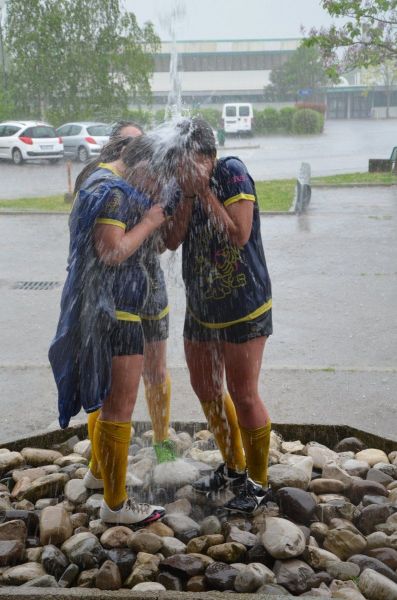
pixel 331 534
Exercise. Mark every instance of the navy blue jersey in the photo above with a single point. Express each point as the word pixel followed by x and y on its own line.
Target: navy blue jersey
pixel 225 284
pixel 130 286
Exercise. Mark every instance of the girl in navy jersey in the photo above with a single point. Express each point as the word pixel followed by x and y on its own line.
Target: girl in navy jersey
pixel 229 308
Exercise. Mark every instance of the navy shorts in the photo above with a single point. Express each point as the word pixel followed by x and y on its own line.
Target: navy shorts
pixel 236 334
pixel 126 338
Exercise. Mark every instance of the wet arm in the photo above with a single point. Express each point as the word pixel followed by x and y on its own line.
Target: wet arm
pixel 176 227
pixel 113 245
pixel 235 220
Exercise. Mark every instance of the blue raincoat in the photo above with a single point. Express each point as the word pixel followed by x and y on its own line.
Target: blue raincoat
pixel 80 353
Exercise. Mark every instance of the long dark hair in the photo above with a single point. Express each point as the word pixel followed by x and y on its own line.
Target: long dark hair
pixel 109 153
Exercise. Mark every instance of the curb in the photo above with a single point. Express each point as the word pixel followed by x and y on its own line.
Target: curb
pixel 31 593
pixel 329 435
pixel 326 186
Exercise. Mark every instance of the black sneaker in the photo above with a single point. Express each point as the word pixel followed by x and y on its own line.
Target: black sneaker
pixel 222 478
pixel 249 497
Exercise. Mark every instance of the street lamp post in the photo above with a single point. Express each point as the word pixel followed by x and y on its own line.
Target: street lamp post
pixel 3 59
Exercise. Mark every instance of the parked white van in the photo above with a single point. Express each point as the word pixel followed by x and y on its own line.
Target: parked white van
pixel 237 117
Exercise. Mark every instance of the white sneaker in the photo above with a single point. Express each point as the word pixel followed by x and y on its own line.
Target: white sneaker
pixel 131 513
pixel 91 482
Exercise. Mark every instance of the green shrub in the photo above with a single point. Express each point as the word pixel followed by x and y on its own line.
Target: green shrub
pixel 307 121
pixel 259 122
pixel 144 118
pixel 285 118
pixel 270 120
pixel 213 116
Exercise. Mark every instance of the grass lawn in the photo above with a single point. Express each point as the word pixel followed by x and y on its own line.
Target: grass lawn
pixel 44 203
pixel 356 178
pixel 273 195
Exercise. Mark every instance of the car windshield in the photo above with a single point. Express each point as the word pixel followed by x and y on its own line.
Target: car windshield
pixel 99 130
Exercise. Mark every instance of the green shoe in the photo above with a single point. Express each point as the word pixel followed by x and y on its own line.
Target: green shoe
pixel 165 451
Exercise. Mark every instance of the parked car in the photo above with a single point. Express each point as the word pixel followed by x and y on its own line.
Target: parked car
pixel 84 140
pixel 29 140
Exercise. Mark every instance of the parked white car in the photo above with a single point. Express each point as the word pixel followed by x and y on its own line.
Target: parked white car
pixel 84 140
pixel 29 140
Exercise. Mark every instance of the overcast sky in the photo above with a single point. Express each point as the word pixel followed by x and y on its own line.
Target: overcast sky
pixel 232 19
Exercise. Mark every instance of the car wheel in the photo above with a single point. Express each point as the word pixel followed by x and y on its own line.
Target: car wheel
pixel 17 157
pixel 82 154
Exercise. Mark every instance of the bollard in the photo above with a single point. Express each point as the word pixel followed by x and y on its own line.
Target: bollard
pixel 68 197
pixel 303 190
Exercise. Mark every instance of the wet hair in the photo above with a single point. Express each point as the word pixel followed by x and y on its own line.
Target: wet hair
pixel 109 153
pixel 117 127
pixel 197 136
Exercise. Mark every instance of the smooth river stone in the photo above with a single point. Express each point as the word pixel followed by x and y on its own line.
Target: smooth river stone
pixel 184 565
pixel 116 537
pixel 288 476
pixel 333 471
pixel 22 573
pixel 229 552
pixel 37 457
pixel 297 505
pixel 11 552
pixel 252 576
pixel 386 555
pixel 108 576
pixel 318 558
pixel 367 562
pixel 144 542
pixel 370 516
pixel 349 444
pixel 55 525
pixel 84 550
pixel 14 530
pixel 283 539
pixel 355 468
pixel 201 544
pixel 379 476
pixel 220 576
pixel 344 543
pixel 183 527
pixel 327 486
pixel 320 454
pixel 372 456
pixel 293 574
pixel 10 460
pixel 360 488
pixel 377 587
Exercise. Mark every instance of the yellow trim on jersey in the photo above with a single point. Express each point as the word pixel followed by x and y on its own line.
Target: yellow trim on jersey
pixel 241 196
pixel 103 221
pixel 158 317
pixel 253 315
pixel 122 315
pixel 103 165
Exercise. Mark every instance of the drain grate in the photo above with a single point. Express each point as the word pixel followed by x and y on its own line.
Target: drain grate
pixel 36 285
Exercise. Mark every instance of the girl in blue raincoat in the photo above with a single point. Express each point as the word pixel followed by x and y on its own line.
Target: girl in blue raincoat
pixel 97 352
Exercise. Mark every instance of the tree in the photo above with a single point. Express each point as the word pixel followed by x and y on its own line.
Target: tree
pixel 303 70
pixel 367 35
pixel 74 59
pixel 385 75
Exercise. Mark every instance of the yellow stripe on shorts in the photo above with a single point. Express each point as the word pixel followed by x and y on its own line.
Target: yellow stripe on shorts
pixel 122 315
pixel 250 317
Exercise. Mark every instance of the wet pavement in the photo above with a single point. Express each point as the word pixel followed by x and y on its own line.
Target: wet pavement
pixel 344 147
pixel 332 358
